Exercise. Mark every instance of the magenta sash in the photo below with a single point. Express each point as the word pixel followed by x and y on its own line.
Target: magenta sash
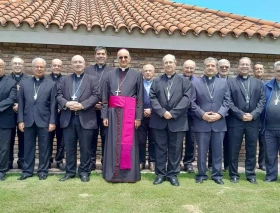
pixel 128 104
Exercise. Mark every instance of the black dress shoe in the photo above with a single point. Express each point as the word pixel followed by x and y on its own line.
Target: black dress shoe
pixel 219 181
pixel 234 180
pixel 66 177
pixel 23 177
pixel 199 180
pixel 173 181
pixel 261 167
pixel 60 166
pixel 84 178
pixel 2 178
pixel 269 180
pixel 42 177
pixel 142 166
pixel 252 180
pixel 188 168
pixel 159 180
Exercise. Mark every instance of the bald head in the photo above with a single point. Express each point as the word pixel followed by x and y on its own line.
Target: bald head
pixel 188 68
pixel 78 57
pixel 2 67
pixel 123 58
pixel 78 63
pixel 148 71
pixel 56 66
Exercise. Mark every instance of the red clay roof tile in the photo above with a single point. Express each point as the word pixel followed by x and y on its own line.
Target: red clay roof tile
pixel 143 15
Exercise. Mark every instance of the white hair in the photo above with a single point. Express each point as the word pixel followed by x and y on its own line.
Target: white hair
pixel 276 64
pixel 38 59
pixel 223 60
pixel 169 55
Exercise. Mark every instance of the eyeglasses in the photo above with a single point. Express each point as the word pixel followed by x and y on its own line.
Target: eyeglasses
pixel 123 57
pixel 224 67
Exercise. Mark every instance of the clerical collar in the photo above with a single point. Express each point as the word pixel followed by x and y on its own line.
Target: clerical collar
pixel 124 69
pixel 243 77
pixel 100 66
pixel 38 79
pixel 209 78
pixel 170 76
pixel 56 75
pixel 18 75
pixel 79 76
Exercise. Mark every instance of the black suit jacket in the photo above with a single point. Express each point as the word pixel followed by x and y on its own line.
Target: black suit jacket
pixel 8 96
pixel 89 96
pixel 23 78
pixel 43 110
pixel 92 70
pixel 178 104
pixel 238 104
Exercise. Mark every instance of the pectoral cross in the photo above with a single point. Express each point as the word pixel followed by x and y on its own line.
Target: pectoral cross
pixel 276 101
pixel 18 86
pixel 74 97
pixel 247 99
pixel 118 91
pixel 35 96
pixel 168 95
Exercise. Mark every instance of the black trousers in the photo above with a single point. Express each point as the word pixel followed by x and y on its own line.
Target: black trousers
pixel 168 147
pixel 215 140
pixel 15 131
pixel 5 139
pixel 59 143
pixel 189 143
pixel 261 156
pixel 100 128
pixel 144 132
pixel 30 135
pixel 225 152
pixel 72 134
pixel 272 147
pixel 235 141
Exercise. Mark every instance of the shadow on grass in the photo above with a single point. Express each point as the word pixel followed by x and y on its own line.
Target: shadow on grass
pixel 151 176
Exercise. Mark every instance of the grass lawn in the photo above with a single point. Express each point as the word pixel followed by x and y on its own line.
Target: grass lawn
pixel 32 195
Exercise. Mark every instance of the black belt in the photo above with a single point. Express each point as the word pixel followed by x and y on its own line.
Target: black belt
pixel 75 113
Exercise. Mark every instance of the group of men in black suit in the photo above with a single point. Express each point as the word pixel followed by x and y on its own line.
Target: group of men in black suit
pixel 212 110
pixel 220 111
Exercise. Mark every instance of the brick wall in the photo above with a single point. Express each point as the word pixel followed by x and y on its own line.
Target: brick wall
pixel 140 57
